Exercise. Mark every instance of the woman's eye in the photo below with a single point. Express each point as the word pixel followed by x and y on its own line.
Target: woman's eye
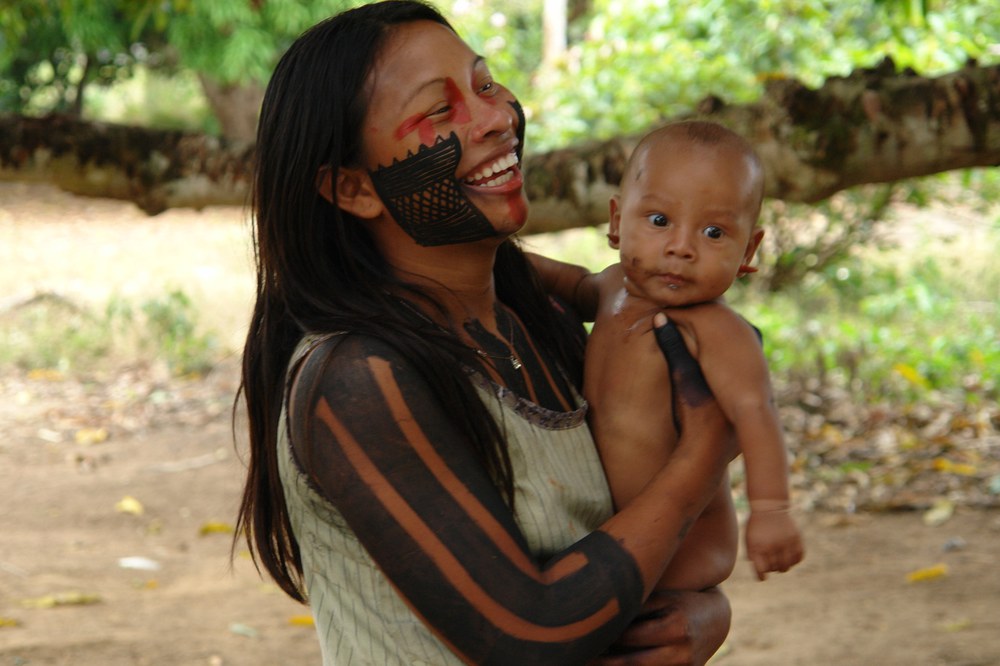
pixel 444 109
pixel 489 88
pixel 658 219
pixel 713 232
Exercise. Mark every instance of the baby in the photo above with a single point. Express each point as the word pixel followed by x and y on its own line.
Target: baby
pixel 685 224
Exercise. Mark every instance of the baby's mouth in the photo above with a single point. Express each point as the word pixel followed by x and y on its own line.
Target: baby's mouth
pixel 673 280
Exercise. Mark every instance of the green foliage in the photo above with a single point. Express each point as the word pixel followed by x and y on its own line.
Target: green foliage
pixel 806 239
pixel 906 315
pixel 897 324
pixel 239 42
pixel 629 64
pixel 507 34
pixel 633 64
pixel 50 50
pixel 171 323
pixel 902 344
pixel 51 332
pixel 152 98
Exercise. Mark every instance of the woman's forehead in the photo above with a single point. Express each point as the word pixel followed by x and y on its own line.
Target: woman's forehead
pixel 416 54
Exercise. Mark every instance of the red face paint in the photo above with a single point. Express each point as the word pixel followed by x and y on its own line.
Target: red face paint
pixel 420 123
pixel 425 126
pixel 518 209
pixel 457 103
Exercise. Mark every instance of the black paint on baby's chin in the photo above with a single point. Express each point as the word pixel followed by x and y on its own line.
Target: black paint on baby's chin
pixel 427 201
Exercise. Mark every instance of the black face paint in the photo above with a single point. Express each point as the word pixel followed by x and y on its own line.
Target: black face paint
pixel 519 151
pixel 427 201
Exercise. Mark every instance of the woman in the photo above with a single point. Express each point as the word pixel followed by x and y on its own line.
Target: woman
pixel 420 465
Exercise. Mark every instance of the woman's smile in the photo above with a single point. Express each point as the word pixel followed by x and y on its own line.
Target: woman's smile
pixel 498 173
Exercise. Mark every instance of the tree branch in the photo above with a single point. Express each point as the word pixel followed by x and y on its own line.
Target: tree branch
pixel 873 126
pixel 156 169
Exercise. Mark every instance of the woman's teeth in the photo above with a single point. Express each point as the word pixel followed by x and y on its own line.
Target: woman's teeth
pixel 499 180
pixel 501 165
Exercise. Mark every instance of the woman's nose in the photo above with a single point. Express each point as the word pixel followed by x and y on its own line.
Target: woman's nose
pixel 490 119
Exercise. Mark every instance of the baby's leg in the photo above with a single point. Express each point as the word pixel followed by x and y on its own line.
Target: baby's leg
pixel 707 555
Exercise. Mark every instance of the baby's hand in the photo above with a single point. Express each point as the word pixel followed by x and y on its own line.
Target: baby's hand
pixel 773 542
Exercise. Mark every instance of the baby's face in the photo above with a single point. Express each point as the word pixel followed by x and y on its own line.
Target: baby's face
pixel 686 222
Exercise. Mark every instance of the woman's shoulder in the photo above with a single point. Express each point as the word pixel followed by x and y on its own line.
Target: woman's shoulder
pixel 341 365
pixel 343 350
pixel 343 346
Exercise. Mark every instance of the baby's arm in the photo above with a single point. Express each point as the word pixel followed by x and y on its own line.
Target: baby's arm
pixel 574 284
pixel 731 357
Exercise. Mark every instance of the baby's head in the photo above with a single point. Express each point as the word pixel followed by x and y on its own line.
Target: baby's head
pixel 685 218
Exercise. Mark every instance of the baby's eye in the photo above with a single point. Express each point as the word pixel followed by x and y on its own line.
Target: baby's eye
pixel 658 219
pixel 713 232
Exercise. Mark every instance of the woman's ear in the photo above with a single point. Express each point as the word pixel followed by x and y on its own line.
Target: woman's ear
pixel 353 193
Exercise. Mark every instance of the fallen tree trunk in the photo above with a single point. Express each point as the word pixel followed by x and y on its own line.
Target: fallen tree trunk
pixel 873 126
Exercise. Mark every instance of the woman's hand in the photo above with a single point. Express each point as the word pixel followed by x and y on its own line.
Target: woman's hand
pixel 694 406
pixel 674 629
pixel 689 385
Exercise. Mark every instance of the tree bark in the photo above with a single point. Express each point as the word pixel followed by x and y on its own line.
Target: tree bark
pixel 553 32
pixel 155 169
pixel 875 125
pixel 235 106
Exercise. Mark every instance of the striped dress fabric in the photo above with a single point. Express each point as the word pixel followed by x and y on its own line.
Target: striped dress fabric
pixel 561 495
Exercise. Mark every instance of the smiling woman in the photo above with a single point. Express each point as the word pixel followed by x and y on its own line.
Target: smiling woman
pixel 440 187
pixel 433 502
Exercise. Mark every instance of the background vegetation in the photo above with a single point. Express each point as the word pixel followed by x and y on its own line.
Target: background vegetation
pixel 843 301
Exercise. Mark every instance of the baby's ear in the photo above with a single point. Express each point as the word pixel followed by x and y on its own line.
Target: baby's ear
pixel 353 192
pixel 752 245
pixel 614 222
pixel 755 238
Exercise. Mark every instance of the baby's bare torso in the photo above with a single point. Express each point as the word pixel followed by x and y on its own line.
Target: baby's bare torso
pixel 627 383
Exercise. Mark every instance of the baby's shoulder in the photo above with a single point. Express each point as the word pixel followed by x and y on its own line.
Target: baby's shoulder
pixel 712 320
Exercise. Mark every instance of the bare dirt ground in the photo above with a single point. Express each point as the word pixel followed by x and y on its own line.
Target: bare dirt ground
pixel 143 466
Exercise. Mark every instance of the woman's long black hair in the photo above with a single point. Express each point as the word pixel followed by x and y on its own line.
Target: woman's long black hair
pixel 318 269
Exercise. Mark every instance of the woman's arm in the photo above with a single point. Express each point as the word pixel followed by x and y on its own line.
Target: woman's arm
pixel 571 283
pixel 388 457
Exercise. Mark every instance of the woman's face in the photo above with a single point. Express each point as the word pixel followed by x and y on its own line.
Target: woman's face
pixel 442 139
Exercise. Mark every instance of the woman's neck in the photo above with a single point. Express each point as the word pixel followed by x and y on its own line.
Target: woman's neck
pixel 458 277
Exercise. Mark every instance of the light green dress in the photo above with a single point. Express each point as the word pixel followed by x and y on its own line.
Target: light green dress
pixel 560 493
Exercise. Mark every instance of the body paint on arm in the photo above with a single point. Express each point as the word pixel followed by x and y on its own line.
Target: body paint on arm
pixel 385 453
